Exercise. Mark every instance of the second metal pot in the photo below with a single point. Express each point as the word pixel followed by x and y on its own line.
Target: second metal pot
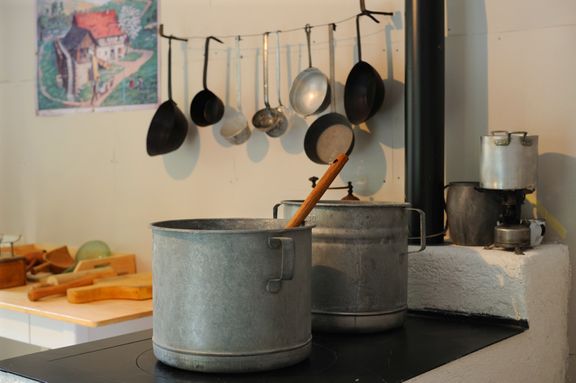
pixel 359 264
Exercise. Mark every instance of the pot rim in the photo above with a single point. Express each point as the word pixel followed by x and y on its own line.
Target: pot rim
pixel 349 203
pixel 167 226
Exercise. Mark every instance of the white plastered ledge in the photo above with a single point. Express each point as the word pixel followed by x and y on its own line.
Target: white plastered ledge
pixel 533 286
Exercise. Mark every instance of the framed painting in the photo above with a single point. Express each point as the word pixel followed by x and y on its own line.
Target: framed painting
pixel 95 55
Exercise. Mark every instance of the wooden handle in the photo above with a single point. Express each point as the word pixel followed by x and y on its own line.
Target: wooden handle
pixel 97 293
pixel 43 290
pixel 101 272
pixel 317 193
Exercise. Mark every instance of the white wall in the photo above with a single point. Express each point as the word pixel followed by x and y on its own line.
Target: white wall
pixel 509 65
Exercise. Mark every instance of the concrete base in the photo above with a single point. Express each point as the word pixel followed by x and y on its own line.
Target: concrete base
pixel 533 286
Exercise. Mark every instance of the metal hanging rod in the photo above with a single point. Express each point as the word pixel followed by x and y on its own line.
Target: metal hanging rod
pixel 363 12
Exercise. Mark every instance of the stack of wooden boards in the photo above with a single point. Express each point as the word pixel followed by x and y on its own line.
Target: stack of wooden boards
pixel 59 271
pixel 94 285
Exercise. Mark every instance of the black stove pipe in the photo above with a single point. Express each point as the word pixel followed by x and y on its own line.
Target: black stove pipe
pixel 424 113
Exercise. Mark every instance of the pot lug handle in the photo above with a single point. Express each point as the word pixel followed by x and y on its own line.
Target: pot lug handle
pixel 275 210
pixel 274 285
pixel 422 229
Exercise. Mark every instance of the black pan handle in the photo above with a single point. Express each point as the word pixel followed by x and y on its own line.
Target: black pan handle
pixel 206 57
pixel 170 68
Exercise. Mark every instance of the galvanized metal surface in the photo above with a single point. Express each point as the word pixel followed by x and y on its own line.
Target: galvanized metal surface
pixel 231 295
pixel 359 264
pixel 508 161
pixel 471 214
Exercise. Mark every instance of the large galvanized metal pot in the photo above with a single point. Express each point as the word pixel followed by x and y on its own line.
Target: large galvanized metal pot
pixel 231 295
pixel 359 264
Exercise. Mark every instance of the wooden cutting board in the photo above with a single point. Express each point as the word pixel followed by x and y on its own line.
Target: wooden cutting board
pixel 134 286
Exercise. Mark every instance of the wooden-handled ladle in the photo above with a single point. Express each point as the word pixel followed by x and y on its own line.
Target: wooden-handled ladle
pixel 317 193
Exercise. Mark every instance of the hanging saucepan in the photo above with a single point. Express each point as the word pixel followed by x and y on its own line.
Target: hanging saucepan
pixel 169 126
pixel 235 128
pixel 364 89
pixel 267 118
pixel 310 91
pixel 206 108
pixel 331 134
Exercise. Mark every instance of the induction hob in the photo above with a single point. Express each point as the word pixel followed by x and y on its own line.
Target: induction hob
pixel 422 344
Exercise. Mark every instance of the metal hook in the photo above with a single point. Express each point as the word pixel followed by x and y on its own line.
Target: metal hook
pixel 170 37
pixel 369 13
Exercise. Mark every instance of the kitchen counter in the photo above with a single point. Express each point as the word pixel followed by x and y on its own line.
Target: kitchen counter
pixel 53 322
pixel 92 314
pixel 425 342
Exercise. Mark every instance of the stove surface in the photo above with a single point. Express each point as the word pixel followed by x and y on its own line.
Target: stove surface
pixel 424 343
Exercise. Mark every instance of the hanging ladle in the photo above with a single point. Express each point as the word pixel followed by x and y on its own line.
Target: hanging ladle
pixel 235 128
pixel 282 123
pixel 206 108
pixel 265 119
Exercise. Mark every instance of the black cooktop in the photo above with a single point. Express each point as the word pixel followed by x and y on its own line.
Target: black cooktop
pixel 425 342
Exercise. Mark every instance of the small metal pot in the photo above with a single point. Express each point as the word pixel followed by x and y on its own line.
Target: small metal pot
pixel 231 295
pixel 359 263
pixel 471 214
pixel 508 161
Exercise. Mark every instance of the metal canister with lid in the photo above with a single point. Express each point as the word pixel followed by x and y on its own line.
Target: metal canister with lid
pixel 508 161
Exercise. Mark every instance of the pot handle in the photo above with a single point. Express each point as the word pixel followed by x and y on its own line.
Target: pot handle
pixel 275 210
pixel 422 229
pixel 287 268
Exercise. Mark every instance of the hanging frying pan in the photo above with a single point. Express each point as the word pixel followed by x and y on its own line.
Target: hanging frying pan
pixel 310 91
pixel 364 90
pixel 206 108
pixel 330 134
pixel 169 126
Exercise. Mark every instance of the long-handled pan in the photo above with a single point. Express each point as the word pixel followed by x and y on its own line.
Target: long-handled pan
pixel 206 108
pixel 169 126
pixel 364 90
pixel 330 134
pixel 310 91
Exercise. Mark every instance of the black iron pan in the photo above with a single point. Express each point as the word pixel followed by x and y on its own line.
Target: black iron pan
pixel 330 134
pixel 169 126
pixel 364 90
pixel 206 108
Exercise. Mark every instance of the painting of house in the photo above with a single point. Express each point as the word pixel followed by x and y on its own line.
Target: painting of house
pixel 91 57
pixel 92 34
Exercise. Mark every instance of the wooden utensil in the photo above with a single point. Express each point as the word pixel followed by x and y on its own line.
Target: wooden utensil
pixel 100 272
pixel 134 287
pixel 317 193
pixel 59 259
pixel 43 290
pixel 121 263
